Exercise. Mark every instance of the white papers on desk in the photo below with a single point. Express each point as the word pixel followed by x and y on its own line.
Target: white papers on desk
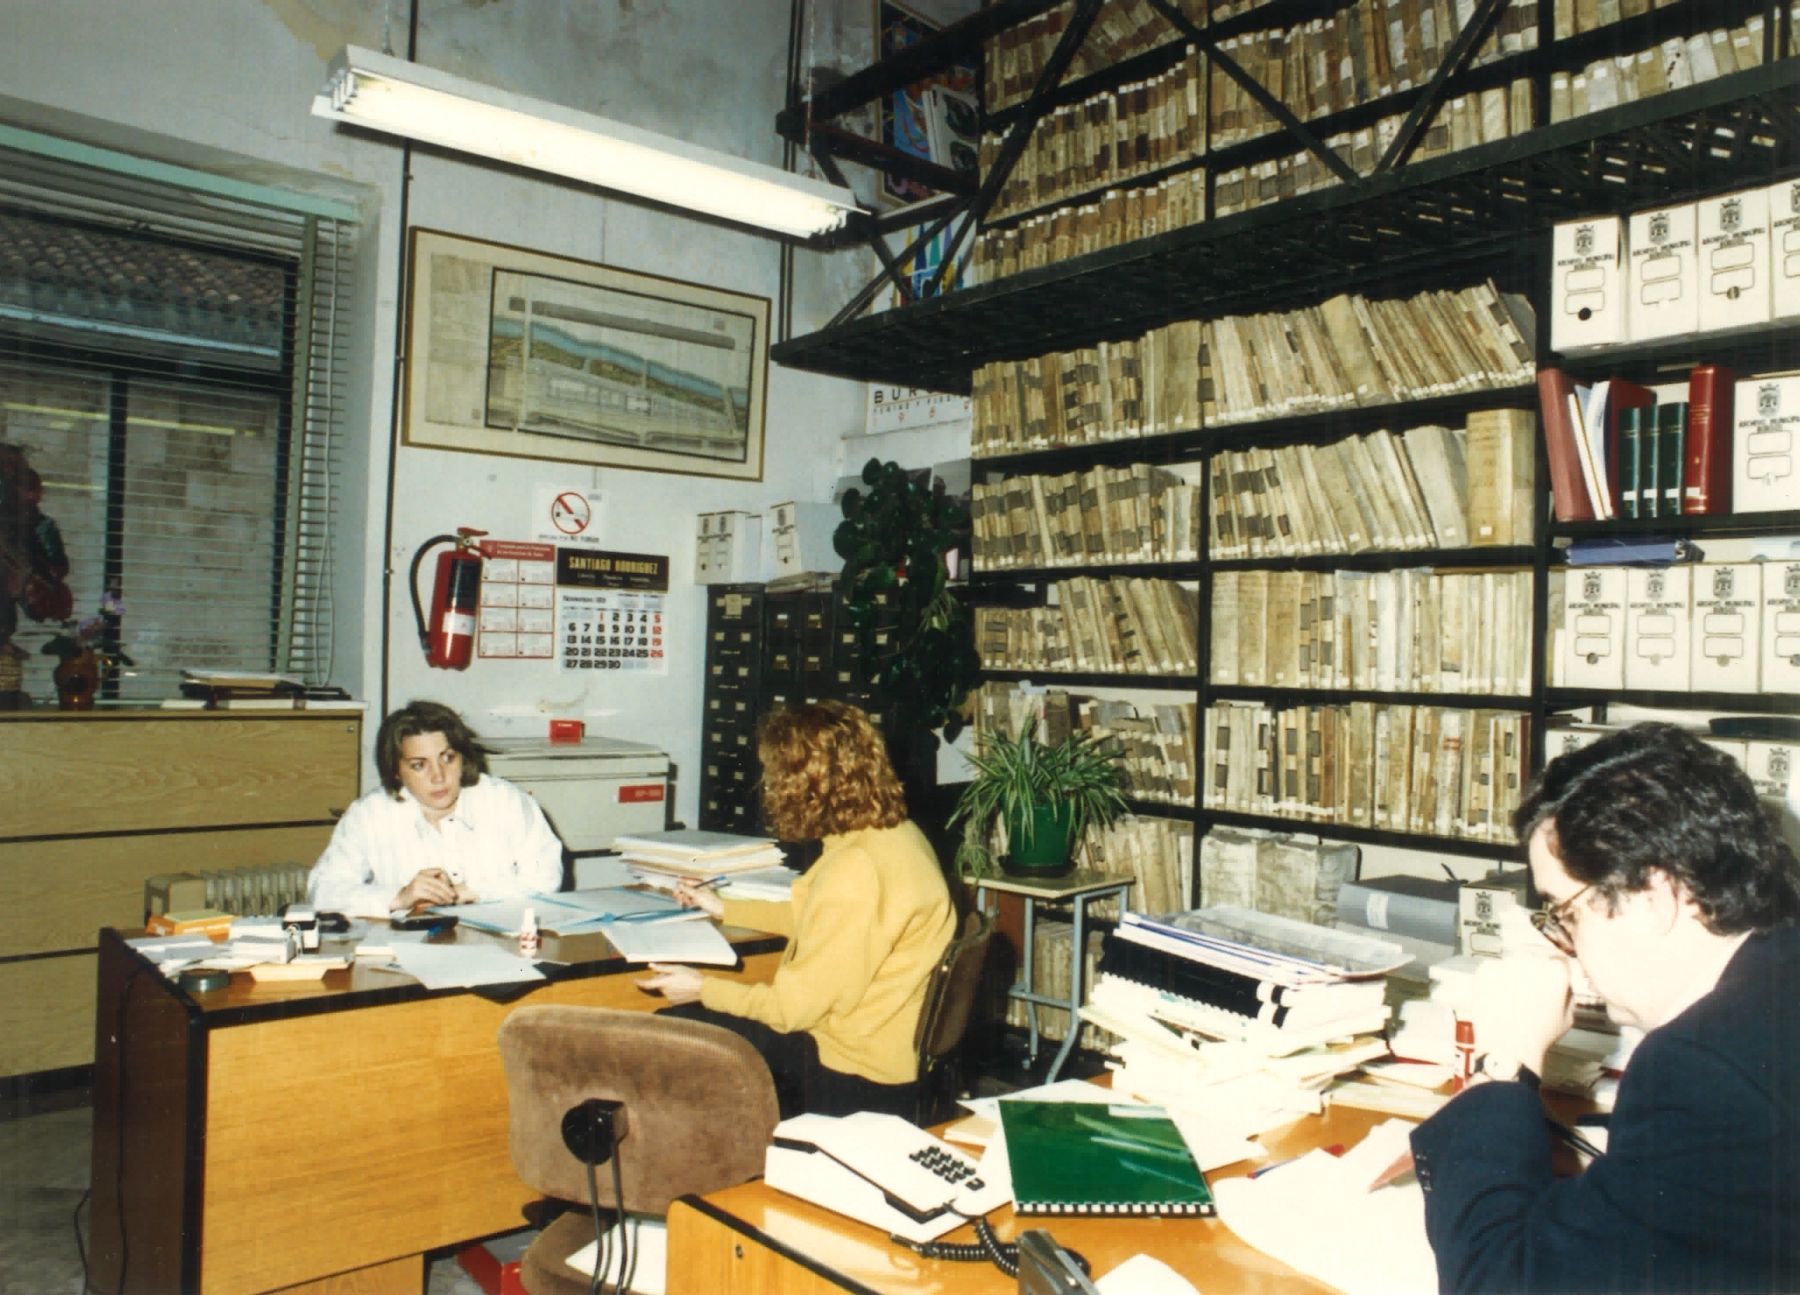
pixel 171 953
pixel 1144 1275
pixel 670 942
pixel 1362 1242
pixel 569 911
pixel 461 966
pixel 618 904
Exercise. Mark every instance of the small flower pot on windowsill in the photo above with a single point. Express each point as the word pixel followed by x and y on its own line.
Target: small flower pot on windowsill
pixel 77 681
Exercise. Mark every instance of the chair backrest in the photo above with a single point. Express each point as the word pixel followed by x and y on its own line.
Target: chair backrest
pixel 951 992
pixel 699 1103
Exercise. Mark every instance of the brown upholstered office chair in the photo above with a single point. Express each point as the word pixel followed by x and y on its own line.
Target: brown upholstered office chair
pixel 699 1109
pixel 950 998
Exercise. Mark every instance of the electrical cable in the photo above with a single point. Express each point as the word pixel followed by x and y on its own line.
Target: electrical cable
pixel 628 1255
pixel 1004 1255
pixel 75 1221
pixel 602 1243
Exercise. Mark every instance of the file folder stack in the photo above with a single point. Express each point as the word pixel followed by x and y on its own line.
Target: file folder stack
pixel 1246 1016
pixel 663 858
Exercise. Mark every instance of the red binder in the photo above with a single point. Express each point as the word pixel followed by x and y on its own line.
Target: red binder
pixel 1706 473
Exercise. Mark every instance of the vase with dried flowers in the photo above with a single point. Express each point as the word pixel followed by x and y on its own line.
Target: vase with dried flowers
pixel 86 652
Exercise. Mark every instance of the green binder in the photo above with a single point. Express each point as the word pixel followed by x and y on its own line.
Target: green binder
pixel 1092 1158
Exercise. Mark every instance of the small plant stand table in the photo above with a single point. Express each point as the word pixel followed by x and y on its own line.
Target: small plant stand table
pixel 1077 890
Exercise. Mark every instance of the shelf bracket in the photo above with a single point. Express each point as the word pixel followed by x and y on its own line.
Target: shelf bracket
pixel 1254 88
pixel 1473 33
pixel 1011 149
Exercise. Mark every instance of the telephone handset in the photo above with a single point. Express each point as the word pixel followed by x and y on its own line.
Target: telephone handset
pixel 883 1171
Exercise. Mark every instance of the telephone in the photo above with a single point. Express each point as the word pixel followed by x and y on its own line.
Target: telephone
pixel 885 1172
pixel 1045 1268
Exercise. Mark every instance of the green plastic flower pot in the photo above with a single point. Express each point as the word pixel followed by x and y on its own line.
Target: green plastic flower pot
pixel 1044 850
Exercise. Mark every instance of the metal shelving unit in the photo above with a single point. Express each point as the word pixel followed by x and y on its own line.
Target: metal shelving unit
pixel 1428 218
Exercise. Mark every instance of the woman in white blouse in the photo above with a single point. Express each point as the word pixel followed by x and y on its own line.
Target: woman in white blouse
pixel 439 830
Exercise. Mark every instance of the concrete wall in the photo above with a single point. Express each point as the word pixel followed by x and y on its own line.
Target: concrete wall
pixel 227 83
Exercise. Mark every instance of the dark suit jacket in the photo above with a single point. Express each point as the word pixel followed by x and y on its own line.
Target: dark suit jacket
pixel 1697 1189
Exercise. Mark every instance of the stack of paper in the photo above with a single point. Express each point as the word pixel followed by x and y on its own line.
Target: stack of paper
pixel 1244 1016
pixel 696 854
pixel 775 883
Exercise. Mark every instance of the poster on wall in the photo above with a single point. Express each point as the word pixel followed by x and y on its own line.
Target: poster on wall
pixel 610 610
pixel 518 600
pixel 512 351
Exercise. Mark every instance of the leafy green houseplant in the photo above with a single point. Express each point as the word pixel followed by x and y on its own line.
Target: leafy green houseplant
pixel 1044 795
pixel 915 634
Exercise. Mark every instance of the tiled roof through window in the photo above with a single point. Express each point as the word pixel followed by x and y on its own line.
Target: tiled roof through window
pixel 58 271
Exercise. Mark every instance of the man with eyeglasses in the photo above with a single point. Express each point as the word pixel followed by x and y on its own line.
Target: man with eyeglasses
pixel 1663 876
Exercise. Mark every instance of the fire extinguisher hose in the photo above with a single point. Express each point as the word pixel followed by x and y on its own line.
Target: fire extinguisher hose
pixel 413 583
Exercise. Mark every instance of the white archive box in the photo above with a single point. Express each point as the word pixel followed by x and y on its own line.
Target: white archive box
pixel 802 534
pixel 1780 627
pixel 1594 628
pixel 1733 230
pixel 1568 738
pixel 1784 248
pixel 728 548
pixel 1774 769
pixel 1765 444
pixel 1587 297
pixel 1727 640
pixel 1658 628
pixel 1663 273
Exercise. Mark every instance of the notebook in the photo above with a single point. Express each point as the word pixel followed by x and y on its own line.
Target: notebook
pixel 1090 1158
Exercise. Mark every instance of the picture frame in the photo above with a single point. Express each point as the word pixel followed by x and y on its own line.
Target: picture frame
pixel 523 353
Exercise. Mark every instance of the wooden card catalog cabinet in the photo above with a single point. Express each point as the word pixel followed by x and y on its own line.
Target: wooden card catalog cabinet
pixel 97 802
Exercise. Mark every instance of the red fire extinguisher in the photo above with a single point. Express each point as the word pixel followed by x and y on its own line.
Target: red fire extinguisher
pixel 449 638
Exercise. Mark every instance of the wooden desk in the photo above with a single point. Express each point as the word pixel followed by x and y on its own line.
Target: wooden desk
pixel 98 801
pixel 315 1137
pixel 754 1240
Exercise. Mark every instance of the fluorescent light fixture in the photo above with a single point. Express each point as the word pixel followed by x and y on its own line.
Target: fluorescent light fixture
pixel 389 94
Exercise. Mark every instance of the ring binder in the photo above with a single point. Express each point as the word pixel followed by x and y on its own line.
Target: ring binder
pixel 1094 1158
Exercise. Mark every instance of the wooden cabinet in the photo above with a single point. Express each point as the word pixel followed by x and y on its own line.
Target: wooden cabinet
pixel 97 802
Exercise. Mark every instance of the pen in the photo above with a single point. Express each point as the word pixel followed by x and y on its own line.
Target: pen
pixel 1571 1137
pixel 710 882
pixel 1335 1149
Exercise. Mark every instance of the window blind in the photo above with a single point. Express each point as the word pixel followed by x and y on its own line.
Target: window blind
pixel 172 370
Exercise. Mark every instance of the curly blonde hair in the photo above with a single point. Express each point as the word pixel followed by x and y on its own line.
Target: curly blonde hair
pixel 826 772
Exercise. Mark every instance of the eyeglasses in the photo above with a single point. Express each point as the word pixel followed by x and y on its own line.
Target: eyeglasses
pixel 1553 922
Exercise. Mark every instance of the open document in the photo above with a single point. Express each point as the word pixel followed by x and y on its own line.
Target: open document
pixel 567 912
pixel 1362 1242
pixel 698 942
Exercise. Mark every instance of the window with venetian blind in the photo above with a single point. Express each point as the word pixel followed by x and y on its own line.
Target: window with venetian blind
pixel 172 356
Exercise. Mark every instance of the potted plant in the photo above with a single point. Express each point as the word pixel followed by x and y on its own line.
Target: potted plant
pixel 1043 795
pixel 915 634
pixel 85 655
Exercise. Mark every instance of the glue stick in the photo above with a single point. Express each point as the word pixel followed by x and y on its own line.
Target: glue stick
pixel 528 934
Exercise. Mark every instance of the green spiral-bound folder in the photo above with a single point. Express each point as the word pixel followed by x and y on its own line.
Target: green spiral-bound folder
pixel 1092 1158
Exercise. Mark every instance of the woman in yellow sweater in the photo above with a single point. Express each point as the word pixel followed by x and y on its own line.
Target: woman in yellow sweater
pixel 865 925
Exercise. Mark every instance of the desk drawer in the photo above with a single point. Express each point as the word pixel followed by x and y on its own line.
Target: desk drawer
pixel 58 894
pixel 192 769
pixel 46 1013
